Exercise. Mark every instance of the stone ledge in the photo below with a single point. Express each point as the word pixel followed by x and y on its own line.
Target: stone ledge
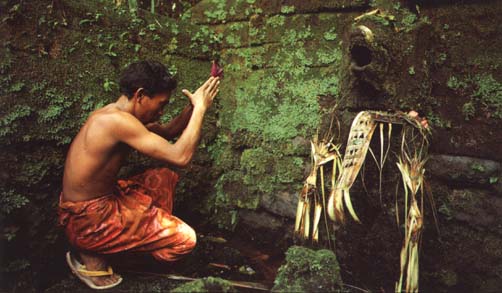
pixel 463 170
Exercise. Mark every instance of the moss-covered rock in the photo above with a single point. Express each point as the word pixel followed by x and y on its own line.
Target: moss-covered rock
pixel 208 284
pixel 307 270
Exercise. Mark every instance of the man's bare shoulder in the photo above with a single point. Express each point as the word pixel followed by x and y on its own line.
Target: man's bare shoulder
pixel 113 117
pixel 117 123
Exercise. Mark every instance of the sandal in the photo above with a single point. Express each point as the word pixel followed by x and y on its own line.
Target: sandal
pixel 83 274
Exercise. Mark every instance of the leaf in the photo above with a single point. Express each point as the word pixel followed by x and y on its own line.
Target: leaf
pixel 85 21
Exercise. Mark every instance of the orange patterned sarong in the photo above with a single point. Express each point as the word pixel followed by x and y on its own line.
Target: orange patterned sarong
pixel 137 217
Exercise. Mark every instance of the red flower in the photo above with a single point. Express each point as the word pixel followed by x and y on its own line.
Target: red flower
pixel 216 70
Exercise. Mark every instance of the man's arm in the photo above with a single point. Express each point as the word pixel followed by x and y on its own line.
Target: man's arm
pixel 175 127
pixel 132 132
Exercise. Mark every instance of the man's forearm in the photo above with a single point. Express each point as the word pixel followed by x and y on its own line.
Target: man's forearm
pixel 189 139
pixel 174 127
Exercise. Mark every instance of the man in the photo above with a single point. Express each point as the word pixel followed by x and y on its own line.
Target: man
pixel 104 216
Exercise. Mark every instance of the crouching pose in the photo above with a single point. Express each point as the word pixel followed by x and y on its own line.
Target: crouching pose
pixel 102 215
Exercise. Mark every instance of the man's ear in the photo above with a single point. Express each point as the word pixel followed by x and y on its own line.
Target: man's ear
pixel 139 94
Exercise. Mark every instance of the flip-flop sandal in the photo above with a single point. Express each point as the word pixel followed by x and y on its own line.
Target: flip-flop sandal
pixel 83 274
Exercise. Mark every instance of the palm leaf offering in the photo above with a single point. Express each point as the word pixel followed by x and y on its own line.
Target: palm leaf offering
pixel 412 172
pixel 322 152
pixel 344 172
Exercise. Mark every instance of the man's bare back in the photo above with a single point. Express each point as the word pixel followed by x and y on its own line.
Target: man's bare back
pixel 94 158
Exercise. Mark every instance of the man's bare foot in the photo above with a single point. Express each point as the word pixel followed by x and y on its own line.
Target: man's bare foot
pixel 94 262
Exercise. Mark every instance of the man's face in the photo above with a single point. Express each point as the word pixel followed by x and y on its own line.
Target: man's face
pixel 152 107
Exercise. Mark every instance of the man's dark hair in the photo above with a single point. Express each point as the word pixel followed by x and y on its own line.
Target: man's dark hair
pixel 152 76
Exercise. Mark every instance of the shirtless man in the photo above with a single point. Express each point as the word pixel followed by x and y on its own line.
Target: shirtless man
pixel 102 215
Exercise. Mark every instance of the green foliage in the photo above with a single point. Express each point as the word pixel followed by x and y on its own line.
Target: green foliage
pixel 92 19
pixel 110 52
pixel 307 270
pixel 109 86
pixel 133 6
pixel 409 19
pixel 10 201
pixel 11 122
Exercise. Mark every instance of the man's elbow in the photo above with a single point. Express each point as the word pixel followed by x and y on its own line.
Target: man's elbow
pixel 184 160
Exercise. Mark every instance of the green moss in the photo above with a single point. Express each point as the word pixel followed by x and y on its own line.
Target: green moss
pixel 330 35
pixel 306 270
pixel 233 40
pixel 448 277
pixel 468 110
pixel 266 109
pixel 488 93
pixel 454 83
pixel 209 284
pixel 287 9
pixel 218 11
pixel 484 91
pixel 437 121
pixel 411 70
pixel 379 19
pixel 255 163
pixel 275 21
pixel 409 19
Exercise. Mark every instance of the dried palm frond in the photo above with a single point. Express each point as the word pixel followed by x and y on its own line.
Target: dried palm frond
pixel 315 224
pixel 309 191
pixel 322 152
pixel 412 171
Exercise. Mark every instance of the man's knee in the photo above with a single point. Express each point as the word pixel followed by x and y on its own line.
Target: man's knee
pixel 190 237
pixel 186 242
